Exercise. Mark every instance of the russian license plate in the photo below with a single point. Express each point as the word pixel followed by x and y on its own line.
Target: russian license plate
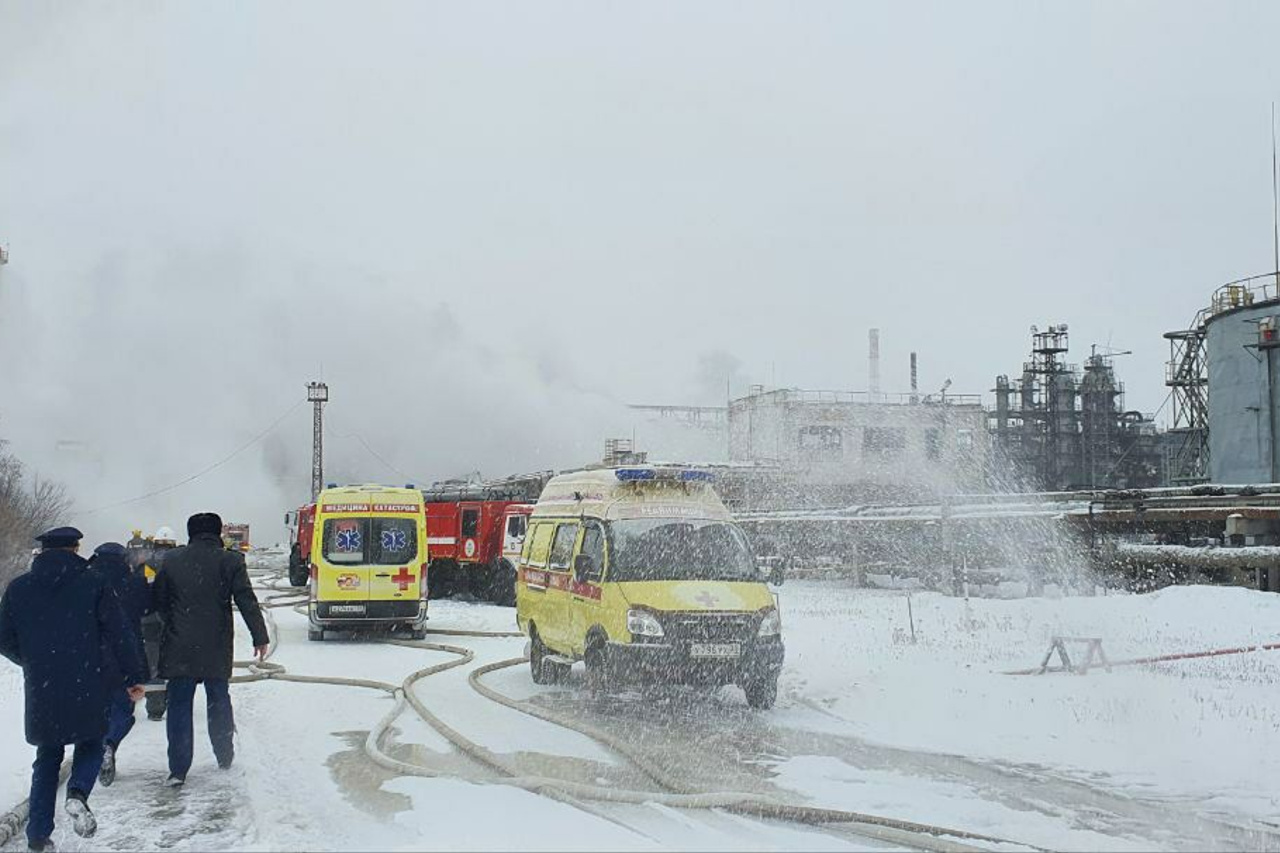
pixel 357 609
pixel 714 650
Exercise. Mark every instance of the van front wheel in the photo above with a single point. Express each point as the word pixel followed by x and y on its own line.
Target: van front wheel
pixel 761 692
pixel 597 669
pixel 537 659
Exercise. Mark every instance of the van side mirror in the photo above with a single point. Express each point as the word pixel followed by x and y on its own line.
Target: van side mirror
pixel 584 567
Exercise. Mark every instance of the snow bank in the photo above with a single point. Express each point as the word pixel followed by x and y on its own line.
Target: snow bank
pixel 1208 729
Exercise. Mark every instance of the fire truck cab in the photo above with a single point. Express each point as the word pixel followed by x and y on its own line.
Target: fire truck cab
pixel 235 537
pixel 475 545
pixel 476 532
pixel 368 561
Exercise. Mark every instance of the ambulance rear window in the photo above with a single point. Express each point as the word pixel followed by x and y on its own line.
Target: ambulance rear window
pixel 370 541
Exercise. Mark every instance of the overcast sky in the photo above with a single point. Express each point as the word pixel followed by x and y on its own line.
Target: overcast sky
pixel 487 226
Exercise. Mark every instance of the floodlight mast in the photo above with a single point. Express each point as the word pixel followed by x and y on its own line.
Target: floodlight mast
pixel 317 395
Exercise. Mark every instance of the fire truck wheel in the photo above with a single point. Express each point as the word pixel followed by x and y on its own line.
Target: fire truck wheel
pixel 315 634
pixel 298 576
pixel 502 585
pixel 477 581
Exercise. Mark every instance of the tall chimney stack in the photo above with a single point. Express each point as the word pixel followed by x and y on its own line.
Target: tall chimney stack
pixel 914 384
pixel 874 384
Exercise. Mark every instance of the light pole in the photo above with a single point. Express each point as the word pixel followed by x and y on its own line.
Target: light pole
pixel 317 395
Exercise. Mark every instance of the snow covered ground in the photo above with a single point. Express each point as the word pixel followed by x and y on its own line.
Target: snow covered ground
pixel 1175 756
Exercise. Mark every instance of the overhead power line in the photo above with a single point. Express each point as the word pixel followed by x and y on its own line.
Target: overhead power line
pixel 378 456
pixel 216 465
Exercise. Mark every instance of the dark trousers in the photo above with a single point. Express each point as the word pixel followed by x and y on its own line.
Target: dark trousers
pixel 222 724
pixel 86 761
pixel 119 717
pixel 155 701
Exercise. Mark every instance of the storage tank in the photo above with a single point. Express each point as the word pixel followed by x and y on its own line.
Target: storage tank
pixel 1244 372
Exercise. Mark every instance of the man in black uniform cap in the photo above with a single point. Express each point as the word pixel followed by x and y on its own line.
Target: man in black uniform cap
pixel 193 595
pixel 59 622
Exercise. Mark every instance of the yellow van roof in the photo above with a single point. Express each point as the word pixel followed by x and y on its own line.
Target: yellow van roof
pixel 632 491
pixel 366 497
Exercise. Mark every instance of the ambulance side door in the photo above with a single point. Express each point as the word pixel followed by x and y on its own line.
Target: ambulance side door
pixel 586 587
pixel 532 599
pixel 559 600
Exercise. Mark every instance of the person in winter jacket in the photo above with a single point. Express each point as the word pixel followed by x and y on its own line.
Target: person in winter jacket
pixel 193 594
pixel 58 622
pixel 133 593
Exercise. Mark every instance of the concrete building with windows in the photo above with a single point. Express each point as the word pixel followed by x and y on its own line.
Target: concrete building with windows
pixel 838 447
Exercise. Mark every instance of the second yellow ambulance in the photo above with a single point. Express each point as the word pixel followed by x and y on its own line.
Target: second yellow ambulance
pixel 641 573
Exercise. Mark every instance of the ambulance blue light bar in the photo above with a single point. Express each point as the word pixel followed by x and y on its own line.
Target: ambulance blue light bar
pixel 631 475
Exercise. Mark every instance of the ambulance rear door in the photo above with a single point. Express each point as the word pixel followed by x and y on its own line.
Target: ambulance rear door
pixel 343 565
pixel 396 555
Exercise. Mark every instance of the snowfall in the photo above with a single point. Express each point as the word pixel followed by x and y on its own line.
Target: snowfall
pixel 893 703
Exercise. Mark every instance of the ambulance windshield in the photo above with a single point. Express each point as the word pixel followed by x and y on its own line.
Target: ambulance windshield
pixel 665 549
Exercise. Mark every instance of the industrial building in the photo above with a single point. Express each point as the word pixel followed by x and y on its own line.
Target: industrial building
pixel 1223 373
pixel 790 447
pixel 1058 428
pixel 842 447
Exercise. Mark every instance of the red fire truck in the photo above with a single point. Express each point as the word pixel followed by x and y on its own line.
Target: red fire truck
pixel 475 532
pixel 301 524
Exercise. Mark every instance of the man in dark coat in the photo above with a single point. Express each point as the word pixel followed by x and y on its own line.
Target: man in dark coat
pixel 193 594
pixel 133 593
pixel 59 622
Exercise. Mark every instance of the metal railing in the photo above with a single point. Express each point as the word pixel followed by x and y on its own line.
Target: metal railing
pixel 796 395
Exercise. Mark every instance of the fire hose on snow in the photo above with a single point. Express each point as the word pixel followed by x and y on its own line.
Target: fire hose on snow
pixel 674 794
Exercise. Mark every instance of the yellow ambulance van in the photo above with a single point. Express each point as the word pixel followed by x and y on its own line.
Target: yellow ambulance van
pixel 368 561
pixel 641 573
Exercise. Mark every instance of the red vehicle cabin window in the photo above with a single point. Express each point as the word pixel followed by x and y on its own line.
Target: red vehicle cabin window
pixel 470 523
